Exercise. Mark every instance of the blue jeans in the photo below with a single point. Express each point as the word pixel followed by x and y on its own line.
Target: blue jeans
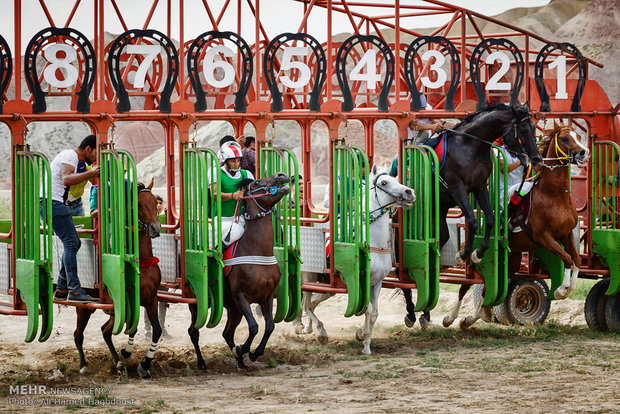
pixel 77 208
pixel 63 227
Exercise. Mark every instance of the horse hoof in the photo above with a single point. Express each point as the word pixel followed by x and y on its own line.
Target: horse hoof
pixel 423 322
pixel 253 356
pixel 447 322
pixel 125 354
pixel 142 372
pixel 475 258
pixel 322 339
pixel 202 365
pixel 84 369
pixel 464 324
pixel 240 363
pixel 486 314
pixel 408 322
pixel 366 351
pixel 359 335
pixel 307 330
pixel 299 329
pixel 120 365
pixel 458 259
pixel 560 293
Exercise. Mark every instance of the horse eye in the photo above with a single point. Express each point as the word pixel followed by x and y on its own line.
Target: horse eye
pixel 383 182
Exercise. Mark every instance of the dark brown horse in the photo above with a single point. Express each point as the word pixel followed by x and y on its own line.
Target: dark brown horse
pixel 249 282
pixel 150 278
pixel 553 216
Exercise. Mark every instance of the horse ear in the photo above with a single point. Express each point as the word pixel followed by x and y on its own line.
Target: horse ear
pixel 526 105
pixel 555 124
pixel 374 169
pixel 570 122
pixel 150 186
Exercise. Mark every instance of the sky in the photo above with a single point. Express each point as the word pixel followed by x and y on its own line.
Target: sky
pixel 278 16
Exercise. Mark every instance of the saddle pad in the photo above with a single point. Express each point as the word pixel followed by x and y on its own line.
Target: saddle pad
pixel 229 253
pixel 440 146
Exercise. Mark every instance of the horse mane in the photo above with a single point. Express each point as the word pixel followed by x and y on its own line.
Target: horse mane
pixel 543 145
pixel 490 108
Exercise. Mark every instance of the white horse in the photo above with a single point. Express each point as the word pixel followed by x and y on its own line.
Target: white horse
pixel 385 192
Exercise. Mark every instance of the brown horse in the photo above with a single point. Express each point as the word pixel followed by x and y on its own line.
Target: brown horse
pixel 251 281
pixel 553 216
pixel 150 278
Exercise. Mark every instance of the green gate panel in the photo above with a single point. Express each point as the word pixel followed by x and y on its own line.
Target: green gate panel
pixel 282 292
pixel 606 243
pixel 216 291
pixel 554 265
pixel 46 300
pixel 132 296
pixel 27 281
pixel 416 258
pixel 294 285
pixel 114 280
pixel 348 266
pixel 196 275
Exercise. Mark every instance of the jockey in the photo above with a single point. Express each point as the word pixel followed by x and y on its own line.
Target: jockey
pixel 230 156
pixel 515 176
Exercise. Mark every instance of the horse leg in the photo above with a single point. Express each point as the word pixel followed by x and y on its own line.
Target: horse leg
pixel 372 313
pixel 449 319
pixel 194 336
pixel 298 322
pixel 151 311
pixel 571 249
pixel 317 299
pixel 106 331
pixel 483 199
pixel 83 315
pixel 479 313
pixel 267 309
pixel 234 317
pixel 244 307
pixel 410 316
pixel 460 196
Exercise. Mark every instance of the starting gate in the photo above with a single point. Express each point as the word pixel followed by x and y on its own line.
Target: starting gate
pixel 286 223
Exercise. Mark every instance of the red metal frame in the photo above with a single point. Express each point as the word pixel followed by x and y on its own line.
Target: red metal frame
pixel 597 111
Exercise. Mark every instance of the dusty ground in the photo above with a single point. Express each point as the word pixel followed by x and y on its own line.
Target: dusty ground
pixel 560 367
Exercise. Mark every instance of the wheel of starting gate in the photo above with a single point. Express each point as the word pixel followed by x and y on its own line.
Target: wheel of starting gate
pixel 594 308
pixel 612 313
pixel 526 302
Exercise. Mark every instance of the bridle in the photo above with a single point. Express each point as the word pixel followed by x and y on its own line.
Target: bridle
pixel 564 159
pixel 271 190
pixel 384 208
pixel 143 226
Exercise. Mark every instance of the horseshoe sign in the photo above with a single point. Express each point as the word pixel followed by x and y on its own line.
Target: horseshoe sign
pixel 6 67
pixel 436 66
pixel 368 61
pixel 61 47
pixel 560 64
pixel 495 82
pixel 304 72
pixel 147 46
pixel 197 53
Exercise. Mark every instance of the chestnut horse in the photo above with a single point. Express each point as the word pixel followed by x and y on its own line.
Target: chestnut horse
pixel 553 216
pixel 255 274
pixel 150 278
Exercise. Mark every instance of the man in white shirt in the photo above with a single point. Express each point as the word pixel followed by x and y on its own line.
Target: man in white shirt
pixel 64 175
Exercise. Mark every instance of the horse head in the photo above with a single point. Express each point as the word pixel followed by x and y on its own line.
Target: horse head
pixel 521 139
pixel 148 219
pixel 564 144
pixel 265 193
pixel 387 191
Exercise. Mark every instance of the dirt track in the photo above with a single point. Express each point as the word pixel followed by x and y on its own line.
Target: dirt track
pixel 560 367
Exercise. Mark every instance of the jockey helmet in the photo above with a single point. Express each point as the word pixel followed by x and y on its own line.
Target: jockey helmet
pixel 229 150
